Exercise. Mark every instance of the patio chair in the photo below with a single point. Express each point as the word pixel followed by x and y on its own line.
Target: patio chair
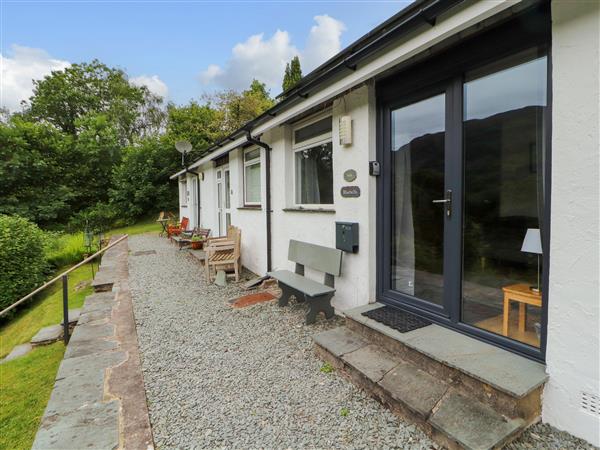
pixel 177 229
pixel 224 252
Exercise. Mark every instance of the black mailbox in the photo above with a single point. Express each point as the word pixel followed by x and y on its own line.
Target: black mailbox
pixel 346 236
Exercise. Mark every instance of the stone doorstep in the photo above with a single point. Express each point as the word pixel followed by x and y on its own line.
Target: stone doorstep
pixel 452 419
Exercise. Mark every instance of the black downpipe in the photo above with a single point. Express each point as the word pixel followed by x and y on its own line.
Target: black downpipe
pixel 268 211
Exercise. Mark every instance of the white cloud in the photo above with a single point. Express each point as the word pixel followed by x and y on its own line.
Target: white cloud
pixel 265 59
pixel 153 83
pixel 18 70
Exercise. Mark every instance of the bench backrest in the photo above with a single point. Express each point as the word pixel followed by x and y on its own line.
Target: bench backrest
pixel 323 259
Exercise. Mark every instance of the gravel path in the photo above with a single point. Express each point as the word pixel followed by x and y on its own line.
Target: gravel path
pixel 249 378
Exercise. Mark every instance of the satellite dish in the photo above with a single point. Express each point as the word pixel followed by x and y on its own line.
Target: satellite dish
pixel 183 146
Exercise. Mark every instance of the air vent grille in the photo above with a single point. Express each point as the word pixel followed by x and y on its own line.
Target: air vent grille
pixel 590 403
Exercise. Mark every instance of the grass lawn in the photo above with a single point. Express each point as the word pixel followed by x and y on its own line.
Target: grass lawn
pixel 44 311
pixel 26 384
pixel 145 226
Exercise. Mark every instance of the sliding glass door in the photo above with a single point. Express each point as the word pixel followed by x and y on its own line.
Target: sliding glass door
pixel 461 199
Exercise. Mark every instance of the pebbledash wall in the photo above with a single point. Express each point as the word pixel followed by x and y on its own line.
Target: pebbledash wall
pixel 572 395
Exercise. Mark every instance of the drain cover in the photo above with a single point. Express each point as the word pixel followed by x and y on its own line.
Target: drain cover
pixel 396 319
pixel 144 252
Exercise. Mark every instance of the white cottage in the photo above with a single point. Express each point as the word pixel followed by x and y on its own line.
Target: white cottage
pixel 463 139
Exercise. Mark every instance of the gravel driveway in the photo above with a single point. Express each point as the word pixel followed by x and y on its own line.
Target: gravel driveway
pixel 248 378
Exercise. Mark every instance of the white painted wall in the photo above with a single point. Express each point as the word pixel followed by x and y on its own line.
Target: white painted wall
pixel 573 351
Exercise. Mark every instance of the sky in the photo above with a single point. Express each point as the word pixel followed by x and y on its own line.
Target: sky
pixel 179 49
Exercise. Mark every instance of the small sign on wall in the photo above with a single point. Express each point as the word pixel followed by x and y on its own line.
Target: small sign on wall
pixel 350 191
pixel 350 175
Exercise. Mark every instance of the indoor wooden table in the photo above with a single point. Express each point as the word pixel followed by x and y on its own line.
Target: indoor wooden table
pixel 525 296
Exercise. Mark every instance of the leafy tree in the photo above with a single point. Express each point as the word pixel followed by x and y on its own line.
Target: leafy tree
pixel 32 172
pixel 22 262
pixel 293 74
pixel 238 108
pixel 201 125
pixel 141 182
pixel 65 96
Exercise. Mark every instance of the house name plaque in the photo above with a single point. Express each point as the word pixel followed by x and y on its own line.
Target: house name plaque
pixel 350 191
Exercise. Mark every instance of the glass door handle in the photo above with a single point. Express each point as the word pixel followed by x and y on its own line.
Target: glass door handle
pixel 447 201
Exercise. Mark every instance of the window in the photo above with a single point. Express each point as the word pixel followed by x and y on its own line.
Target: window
pixel 252 177
pixel 314 164
pixel 183 193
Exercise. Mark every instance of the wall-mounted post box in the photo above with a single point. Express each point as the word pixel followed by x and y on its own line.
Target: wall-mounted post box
pixel 346 236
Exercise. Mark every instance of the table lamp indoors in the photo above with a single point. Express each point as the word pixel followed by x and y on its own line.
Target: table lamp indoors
pixel 533 244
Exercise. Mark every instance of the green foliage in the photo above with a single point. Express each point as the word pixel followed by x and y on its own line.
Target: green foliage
pixel 344 412
pixel 63 249
pixel 327 368
pixel 238 108
pixel 22 263
pixel 293 74
pixel 32 171
pixel 66 96
pixel 141 182
pixel 26 387
pixel 199 124
pixel 97 219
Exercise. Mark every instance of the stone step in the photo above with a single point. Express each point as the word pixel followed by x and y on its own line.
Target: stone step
pixel 73 316
pixel 506 382
pixel 47 335
pixel 18 351
pixel 452 418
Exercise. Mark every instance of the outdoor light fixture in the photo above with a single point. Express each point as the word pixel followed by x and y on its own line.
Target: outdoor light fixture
pixel 183 147
pixel 533 244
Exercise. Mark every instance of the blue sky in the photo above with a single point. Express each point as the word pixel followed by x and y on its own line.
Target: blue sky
pixel 179 48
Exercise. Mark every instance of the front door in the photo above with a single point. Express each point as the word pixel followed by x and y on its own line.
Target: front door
pixel 462 199
pixel 419 196
pixel 223 199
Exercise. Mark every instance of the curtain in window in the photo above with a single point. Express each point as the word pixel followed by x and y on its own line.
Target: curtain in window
pixel 307 177
pixel 252 178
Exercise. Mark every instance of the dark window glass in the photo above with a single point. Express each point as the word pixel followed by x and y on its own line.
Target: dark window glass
pixel 313 130
pixel 503 197
pixel 314 175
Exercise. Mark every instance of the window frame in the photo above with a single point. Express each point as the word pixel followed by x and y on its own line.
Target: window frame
pixel 254 161
pixel 322 139
pixel 183 193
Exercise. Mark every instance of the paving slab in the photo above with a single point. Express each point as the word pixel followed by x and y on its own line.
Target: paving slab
pixel 84 347
pixel 95 317
pixel 415 388
pixel 473 424
pixel 94 426
pixel 89 332
pixel 47 335
pixel 105 279
pixel 372 361
pixel 18 351
pixel 73 316
pixel 340 341
pixel 89 364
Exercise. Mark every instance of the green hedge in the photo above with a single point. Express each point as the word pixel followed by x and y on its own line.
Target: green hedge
pixel 22 261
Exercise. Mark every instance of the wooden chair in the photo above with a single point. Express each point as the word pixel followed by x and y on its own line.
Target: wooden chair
pixel 177 229
pixel 224 252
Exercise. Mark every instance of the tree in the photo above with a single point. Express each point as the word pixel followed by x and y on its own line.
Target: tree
pixel 140 183
pixel 293 74
pixel 238 108
pixel 65 96
pixel 32 172
pixel 199 124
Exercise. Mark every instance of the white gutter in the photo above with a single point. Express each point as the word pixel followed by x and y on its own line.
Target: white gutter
pixel 449 26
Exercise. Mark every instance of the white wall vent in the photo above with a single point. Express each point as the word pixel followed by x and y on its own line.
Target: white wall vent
pixel 590 403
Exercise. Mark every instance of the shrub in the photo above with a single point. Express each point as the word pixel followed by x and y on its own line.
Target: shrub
pixel 98 218
pixel 22 262
pixel 64 249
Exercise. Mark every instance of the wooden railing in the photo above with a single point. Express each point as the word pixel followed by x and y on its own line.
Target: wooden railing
pixel 65 279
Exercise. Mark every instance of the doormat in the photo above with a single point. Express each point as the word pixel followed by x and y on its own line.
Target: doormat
pixel 396 319
pixel 252 299
pixel 144 252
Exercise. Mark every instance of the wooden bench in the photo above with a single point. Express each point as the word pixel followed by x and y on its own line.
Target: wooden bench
pixel 317 295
